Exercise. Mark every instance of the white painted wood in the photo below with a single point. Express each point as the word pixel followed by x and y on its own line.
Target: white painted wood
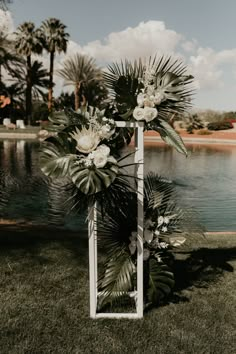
pixel 140 161
pixel 92 234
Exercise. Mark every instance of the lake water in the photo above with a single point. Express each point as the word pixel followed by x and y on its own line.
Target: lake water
pixel 205 180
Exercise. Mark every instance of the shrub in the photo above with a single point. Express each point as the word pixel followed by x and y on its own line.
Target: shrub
pixel 204 132
pixel 220 126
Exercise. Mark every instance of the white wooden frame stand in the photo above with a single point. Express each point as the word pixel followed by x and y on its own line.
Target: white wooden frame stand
pixel 92 235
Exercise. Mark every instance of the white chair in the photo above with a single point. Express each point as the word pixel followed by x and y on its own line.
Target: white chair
pixel 20 124
pixel 6 121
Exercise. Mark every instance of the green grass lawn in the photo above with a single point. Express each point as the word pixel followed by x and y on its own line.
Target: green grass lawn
pixel 44 301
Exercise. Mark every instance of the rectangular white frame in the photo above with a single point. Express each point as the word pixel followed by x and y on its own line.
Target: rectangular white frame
pixel 92 234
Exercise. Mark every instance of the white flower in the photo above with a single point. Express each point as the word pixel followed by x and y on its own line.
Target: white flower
pixel 104 149
pixel 146 254
pixel 87 139
pixel 148 235
pixel 157 233
pixel 159 97
pixel 106 132
pixel 158 257
pixel 166 220
pixel 150 113
pixel 87 162
pixel 140 99
pixel 163 245
pixel 138 113
pixel 99 159
pixel 177 241
pixel 164 229
pixel 160 220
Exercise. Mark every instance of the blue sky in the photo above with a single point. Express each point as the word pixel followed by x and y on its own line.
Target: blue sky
pixel 201 33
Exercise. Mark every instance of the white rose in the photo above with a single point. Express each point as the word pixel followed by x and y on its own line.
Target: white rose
pixel 99 159
pixel 104 149
pixel 150 113
pixel 138 113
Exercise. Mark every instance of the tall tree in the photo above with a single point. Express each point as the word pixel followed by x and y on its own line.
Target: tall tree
pixel 79 70
pixel 28 41
pixel 8 57
pixel 55 40
pixel 39 79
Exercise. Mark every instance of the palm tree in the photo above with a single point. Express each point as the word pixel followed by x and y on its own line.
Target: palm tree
pixel 39 79
pixel 55 40
pixel 8 57
pixel 28 41
pixel 80 70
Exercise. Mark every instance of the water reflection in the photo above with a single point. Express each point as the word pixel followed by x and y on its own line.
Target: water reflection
pixel 205 180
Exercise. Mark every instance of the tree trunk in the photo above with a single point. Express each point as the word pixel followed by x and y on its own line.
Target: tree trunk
pixel 77 101
pixel 50 90
pixel 28 94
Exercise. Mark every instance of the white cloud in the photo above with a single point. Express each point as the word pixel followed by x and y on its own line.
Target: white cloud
pixel 208 66
pixel 141 41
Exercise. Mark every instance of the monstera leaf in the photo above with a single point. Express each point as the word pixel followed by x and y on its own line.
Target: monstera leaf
pixel 161 281
pixel 92 180
pixel 56 155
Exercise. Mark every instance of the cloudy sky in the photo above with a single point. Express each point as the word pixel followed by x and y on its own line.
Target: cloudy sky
pixel 200 32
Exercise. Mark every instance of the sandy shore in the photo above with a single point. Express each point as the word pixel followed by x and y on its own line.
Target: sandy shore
pixel 222 137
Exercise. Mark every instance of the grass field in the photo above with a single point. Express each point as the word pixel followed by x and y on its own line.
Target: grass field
pixel 44 303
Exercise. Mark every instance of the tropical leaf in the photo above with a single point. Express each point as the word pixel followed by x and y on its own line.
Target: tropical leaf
pixel 117 279
pixel 67 118
pixel 56 156
pixel 170 136
pixel 171 84
pixel 92 180
pixel 161 281
pixel 169 78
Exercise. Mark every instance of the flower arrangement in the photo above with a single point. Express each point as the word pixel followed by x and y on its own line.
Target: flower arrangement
pixel 86 150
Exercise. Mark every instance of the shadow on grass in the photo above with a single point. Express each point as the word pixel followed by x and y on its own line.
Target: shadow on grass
pixel 198 268
pixel 17 240
pixel 202 267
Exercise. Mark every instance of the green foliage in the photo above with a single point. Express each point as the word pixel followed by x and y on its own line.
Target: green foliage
pixel 219 126
pixel 169 135
pixel 91 181
pixel 161 282
pixel 115 230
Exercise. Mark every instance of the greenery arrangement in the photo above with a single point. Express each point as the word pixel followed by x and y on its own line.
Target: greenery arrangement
pixel 86 150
